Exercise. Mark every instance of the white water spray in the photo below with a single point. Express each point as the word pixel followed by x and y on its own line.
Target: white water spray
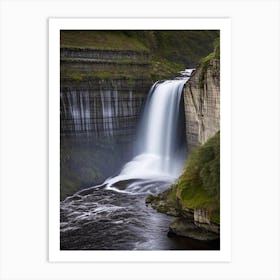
pixel 158 157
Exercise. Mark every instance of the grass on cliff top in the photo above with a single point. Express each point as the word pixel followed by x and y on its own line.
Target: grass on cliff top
pixel 199 185
pixel 214 54
pixel 205 61
pixel 170 50
pixel 184 46
pixel 178 46
pixel 77 76
pixel 164 69
pixel 108 40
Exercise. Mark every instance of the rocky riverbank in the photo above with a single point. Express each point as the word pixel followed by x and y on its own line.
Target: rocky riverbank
pixel 195 197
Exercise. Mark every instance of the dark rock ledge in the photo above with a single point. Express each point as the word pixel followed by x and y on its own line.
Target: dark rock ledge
pixel 191 223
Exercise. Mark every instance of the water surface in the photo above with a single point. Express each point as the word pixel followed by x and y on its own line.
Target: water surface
pixel 102 219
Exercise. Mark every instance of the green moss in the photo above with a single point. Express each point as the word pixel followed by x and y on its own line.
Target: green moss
pixel 164 69
pixel 151 198
pixel 207 58
pixel 215 216
pixel 196 197
pixel 203 168
pixel 216 45
pixel 162 208
pixel 205 61
pixel 178 46
pixel 110 40
pixel 75 75
pixel 214 54
pixel 170 50
pixel 199 185
pixel 102 75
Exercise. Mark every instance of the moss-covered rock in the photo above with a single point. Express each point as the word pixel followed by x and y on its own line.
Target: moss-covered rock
pixel 184 227
pixel 151 55
pixel 205 61
pixel 199 184
pixel 195 197
pixel 165 202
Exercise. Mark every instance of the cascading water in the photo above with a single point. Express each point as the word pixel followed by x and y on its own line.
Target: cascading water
pixel 113 216
pixel 160 155
pixel 99 113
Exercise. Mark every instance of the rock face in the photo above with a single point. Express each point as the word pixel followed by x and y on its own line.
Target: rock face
pixel 184 227
pixel 201 218
pixel 201 215
pixel 100 108
pixel 192 223
pixel 102 91
pixel 202 103
pixel 202 113
pixel 101 95
pixel 99 54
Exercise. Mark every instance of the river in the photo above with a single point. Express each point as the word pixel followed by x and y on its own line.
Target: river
pixel 102 219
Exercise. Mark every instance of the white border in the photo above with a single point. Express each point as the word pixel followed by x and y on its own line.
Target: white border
pixel 55 25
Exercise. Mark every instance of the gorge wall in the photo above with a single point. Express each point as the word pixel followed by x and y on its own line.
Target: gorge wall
pixel 202 103
pixel 101 95
pixel 101 91
pixel 114 69
pixel 105 77
pixel 195 196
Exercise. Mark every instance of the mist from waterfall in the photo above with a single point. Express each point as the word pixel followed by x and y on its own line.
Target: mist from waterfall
pixel 159 138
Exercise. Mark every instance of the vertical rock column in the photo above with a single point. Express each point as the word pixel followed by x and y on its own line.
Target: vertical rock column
pixel 202 103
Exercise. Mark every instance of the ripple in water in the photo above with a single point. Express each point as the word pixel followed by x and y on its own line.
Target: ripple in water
pixel 102 219
pixel 114 216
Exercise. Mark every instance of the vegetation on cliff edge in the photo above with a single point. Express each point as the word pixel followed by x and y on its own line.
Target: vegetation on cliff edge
pixel 198 186
pixel 170 50
pixel 205 61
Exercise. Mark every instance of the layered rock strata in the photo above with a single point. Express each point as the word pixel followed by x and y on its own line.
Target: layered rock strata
pixel 202 113
pixel 102 91
pixel 202 103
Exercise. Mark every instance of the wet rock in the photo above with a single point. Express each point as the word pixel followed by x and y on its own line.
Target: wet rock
pixel 202 219
pixel 201 215
pixel 164 203
pixel 184 227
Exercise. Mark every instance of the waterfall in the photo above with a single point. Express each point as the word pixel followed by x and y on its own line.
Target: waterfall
pixel 159 147
pixel 75 107
pixel 162 118
pixel 107 112
pixel 100 113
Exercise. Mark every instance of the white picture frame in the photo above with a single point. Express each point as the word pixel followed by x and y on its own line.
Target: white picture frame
pixel 24 155
pixel 55 25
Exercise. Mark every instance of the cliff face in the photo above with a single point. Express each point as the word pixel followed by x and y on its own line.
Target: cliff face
pixel 202 103
pixel 101 91
pixel 101 95
pixel 194 197
pixel 100 108
pixel 104 79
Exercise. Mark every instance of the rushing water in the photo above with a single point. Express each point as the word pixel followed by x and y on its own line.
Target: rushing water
pixel 100 219
pixel 160 146
pixel 113 216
